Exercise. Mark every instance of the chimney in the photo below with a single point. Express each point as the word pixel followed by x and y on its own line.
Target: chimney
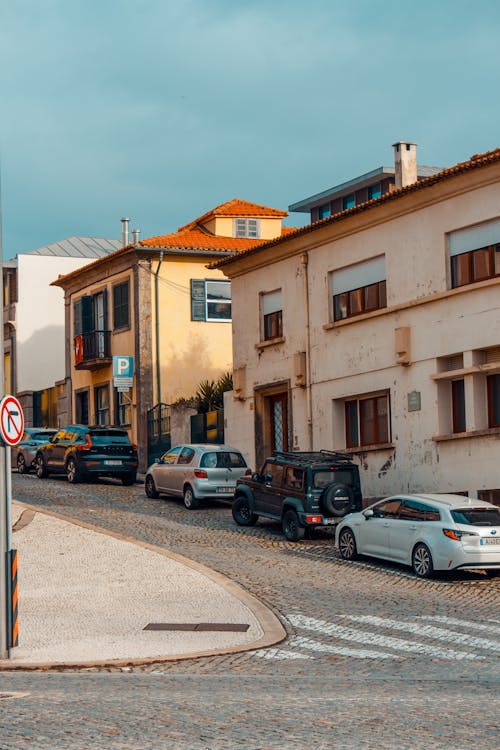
pixel 125 232
pixel 405 163
pixel 135 236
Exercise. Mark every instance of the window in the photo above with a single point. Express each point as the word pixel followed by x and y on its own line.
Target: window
pixel 348 201
pixel 82 407
pixel 493 400
pixel 246 228
pixel 121 305
pixel 294 478
pixel 272 315
pixel 275 471
pixel 359 289
pixel 186 456
pixel 324 211
pixel 171 456
pixel 367 421
pixel 122 408
pixel 211 300
pixel 101 395
pixel 458 405
pixel 374 191
pixel 387 509
pixel 474 253
pixel 412 510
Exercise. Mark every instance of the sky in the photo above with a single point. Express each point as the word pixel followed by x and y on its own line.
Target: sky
pixel 159 110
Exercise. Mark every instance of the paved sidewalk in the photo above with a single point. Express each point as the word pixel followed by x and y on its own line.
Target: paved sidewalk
pixel 85 597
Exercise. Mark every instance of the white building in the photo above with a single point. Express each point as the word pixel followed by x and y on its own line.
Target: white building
pixel 34 355
pixel 377 331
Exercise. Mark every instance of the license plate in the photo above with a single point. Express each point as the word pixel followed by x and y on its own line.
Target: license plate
pixel 490 540
pixel 112 463
pixel 329 521
pixel 226 489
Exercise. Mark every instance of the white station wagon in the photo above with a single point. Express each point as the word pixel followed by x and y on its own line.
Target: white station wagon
pixel 427 532
pixel 196 472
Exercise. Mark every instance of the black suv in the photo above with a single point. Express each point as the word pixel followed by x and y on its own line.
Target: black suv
pixel 81 452
pixel 301 490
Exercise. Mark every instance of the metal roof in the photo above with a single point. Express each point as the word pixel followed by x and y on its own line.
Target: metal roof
pixel 78 247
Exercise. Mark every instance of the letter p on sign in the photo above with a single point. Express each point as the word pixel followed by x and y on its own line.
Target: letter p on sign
pixel 123 366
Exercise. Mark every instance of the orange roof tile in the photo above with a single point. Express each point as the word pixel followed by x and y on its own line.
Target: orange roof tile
pixel 237 207
pixel 196 238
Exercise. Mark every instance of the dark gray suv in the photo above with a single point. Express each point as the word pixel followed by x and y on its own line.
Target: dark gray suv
pixel 301 490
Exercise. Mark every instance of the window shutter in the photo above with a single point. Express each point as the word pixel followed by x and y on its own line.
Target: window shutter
pixel 198 307
pixel 105 308
pixel 87 314
pixel 77 318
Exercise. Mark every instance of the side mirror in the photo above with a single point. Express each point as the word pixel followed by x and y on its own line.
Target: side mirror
pixel 256 477
pixel 267 478
pixel 157 461
pixel 368 513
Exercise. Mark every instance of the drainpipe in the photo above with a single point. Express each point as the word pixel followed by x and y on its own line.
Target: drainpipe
pixel 157 329
pixel 305 263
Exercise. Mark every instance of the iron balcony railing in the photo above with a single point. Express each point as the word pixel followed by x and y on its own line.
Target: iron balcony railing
pixel 92 346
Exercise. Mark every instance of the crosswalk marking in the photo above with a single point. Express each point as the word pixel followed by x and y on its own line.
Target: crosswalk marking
pixel 428 630
pixel 375 639
pixel 347 631
pixel 489 628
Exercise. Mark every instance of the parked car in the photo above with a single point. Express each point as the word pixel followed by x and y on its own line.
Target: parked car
pixel 196 472
pixel 24 453
pixel 428 532
pixel 82 452
pixel 301 490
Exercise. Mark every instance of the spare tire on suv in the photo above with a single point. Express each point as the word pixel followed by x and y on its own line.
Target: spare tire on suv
pixel 338 499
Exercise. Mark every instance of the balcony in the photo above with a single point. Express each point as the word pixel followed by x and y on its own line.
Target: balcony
pixel 92 350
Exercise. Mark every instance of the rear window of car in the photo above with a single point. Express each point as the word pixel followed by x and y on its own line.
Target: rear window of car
pixel 42 435
pixel 323 478
pixel 104 437
pixel 477 516
pixel 223 460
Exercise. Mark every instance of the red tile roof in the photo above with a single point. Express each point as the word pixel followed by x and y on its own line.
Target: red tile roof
pixel 235 208
pixel 475 161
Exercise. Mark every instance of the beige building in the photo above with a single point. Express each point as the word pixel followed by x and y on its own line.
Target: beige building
pixel 377 331
pixel 154 304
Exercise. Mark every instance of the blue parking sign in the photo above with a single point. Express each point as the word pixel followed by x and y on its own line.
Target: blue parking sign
pixel 123 367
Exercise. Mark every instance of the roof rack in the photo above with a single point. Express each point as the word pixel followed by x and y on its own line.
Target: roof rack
pixel 320 456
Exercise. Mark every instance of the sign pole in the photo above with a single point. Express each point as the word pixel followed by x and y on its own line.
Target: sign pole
pixel 4 510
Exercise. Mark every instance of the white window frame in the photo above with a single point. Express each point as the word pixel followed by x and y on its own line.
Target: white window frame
pixel 217 300
pixel 249 228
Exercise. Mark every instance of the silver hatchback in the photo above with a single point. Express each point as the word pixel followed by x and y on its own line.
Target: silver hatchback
pixel 196 472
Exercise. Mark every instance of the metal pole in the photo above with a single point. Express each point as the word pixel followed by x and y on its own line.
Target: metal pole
pixel 4 504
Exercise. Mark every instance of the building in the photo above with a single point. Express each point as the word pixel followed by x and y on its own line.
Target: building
pixel 377 331
pixel 366 187
pixel 155 301
pixel 34 322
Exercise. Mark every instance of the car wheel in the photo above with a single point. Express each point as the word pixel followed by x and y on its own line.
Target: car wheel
pixel 492 573
pixel 21 464
pixel 242 512
pixel 41 469
pixel 150 487
pixel 421 561
pixel 347 545
pixel 73 472
pixel 190 501
pixel 338 499
pixel 292 529
pixel 129 480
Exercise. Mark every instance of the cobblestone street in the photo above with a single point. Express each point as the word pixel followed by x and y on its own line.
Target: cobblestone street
pixel 362 636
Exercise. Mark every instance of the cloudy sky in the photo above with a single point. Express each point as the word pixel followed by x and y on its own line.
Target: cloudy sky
pixel 159 109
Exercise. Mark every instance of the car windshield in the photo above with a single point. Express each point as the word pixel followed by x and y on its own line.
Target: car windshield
pixel 222 460
pixel 323 478
pixel 42 435
pixel 477 516
pixel 103 437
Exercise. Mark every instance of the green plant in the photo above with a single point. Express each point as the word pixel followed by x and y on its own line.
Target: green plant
pixel 210 394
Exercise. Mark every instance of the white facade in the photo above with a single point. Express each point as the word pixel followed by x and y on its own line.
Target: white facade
pixel 40 320
pixel 410 350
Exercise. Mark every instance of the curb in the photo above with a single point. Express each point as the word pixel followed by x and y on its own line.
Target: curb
pixel 273 630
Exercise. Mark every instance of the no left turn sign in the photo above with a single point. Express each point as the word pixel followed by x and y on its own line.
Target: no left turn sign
pixel 11 420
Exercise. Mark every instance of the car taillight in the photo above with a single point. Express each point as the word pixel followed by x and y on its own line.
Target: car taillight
pixel 200 474
pixel 456 535
pixel 87 445
pixel 314 519
pixel 134 447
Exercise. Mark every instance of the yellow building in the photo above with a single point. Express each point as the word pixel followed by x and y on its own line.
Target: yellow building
pixel 156 302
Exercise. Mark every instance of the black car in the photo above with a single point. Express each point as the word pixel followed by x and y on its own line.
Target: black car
pixel 301 490
pixel 82 452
